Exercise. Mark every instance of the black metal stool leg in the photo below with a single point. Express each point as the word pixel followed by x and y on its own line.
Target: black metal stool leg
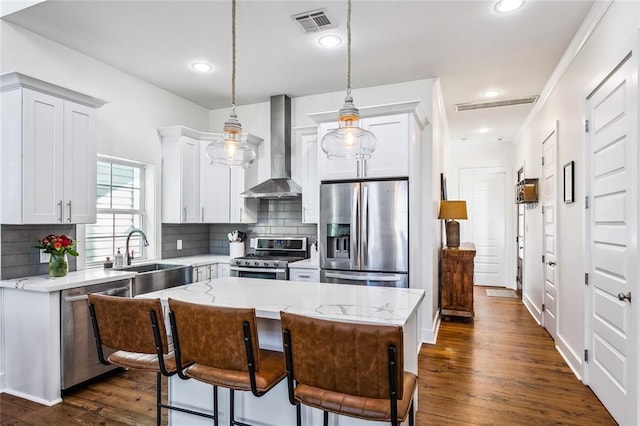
pixel 158 398
pixel 325 420
pixel 232 405
pixel 215 405
pixel 298 415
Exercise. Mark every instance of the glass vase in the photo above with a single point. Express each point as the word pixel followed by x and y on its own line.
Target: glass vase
pixel 58 265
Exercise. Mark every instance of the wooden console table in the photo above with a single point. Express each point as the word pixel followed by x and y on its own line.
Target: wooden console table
pixel 456 293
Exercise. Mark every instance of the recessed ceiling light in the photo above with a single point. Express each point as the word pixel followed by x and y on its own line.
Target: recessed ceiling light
pixel 491 93
pixel 506 6
pixel 201 66
pixel 483 130
pixel 329 40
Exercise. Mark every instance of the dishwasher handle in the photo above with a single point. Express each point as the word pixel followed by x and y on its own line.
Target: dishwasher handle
pixel 110 292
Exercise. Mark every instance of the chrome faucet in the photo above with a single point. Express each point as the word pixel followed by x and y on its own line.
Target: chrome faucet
pixel 128 255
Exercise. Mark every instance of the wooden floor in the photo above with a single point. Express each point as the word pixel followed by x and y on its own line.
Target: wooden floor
pixel 500 369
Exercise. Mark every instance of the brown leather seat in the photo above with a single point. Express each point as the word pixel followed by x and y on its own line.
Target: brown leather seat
pixel 219 346
pixel 345 368
pixel 135 329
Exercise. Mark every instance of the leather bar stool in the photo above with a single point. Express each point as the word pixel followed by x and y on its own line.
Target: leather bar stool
pixel 219 346
pixel 347 369
pixel 135 329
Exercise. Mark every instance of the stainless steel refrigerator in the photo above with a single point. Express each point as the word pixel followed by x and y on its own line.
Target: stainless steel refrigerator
pixel 364 233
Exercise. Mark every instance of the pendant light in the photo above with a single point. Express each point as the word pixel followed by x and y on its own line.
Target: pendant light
pixel 231 151
pixel 349 140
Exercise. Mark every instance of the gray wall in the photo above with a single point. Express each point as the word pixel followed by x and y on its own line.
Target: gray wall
pixel 279 217
pixel 19 256
pixel 195 240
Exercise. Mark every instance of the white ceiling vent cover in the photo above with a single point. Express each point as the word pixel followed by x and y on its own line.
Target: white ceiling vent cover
pixel 493 104
pixel 314 21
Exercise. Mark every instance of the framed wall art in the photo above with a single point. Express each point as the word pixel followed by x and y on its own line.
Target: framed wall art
pixel 568 182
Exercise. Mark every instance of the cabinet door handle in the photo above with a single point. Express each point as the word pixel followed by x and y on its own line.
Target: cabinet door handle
pixel 304 276
pixel 184 214
pixel 61 213
pixel 202 220
pixel 241 215
pixel 69 205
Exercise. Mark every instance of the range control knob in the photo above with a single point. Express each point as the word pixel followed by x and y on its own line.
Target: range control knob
pixel 256 263
pixel 266 264
pixel 247 263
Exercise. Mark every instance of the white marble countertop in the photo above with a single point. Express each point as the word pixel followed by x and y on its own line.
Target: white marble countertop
pixel 343 302
pixel 197 260
pixel 305 264
pixel 45 283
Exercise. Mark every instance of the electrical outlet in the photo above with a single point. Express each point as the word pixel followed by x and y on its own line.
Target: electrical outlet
pixel 44 257
pixel 179 244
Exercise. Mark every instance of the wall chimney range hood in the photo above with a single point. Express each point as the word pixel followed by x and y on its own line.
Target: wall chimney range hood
pixel 280 185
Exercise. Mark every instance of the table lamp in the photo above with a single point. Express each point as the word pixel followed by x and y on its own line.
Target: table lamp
pixel 450 211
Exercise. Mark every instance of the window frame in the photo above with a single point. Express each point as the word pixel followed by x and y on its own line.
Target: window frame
pixel 141 211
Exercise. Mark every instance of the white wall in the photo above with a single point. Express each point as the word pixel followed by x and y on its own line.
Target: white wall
pixel 603 50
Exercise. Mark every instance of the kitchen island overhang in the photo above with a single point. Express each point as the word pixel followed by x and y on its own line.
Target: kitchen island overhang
pixel 349 303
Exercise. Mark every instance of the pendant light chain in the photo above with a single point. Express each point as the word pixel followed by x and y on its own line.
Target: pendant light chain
pixel 233 49
pixel 348 47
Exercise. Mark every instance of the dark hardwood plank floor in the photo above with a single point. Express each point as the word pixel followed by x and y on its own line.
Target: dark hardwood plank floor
pixel 500 369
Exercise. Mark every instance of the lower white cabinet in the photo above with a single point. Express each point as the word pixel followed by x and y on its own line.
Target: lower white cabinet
pixel 299 274
pixel 223 270
pixel 210 272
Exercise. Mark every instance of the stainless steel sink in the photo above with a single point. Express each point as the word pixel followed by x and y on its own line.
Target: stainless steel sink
pixel 158 276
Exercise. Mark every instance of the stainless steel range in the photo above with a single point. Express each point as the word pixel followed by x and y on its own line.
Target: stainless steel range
pixel 271 258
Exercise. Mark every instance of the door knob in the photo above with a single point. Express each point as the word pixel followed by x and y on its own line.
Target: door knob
pixel 622 296
pixel 550 263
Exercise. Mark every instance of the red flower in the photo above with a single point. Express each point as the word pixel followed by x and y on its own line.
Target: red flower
pixel 59 244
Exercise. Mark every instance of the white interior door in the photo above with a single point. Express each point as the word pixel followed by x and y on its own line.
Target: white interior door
pixel 549 243
pixel 612 228
pixel 484 190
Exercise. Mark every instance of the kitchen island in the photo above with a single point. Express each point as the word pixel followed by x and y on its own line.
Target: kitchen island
pixel 378 305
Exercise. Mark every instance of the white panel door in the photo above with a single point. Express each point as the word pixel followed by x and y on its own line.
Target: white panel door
pixel 484 190
pixel 214 190
pixel 190 180
pixel 43 158
pixel 549 243
pixel 612 220
pixel 80 160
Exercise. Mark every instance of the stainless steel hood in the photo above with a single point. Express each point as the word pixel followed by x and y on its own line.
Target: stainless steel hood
pixel 280 185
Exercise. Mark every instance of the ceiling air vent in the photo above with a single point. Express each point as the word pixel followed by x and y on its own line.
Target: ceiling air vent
pixel 314 21
pixel 493 104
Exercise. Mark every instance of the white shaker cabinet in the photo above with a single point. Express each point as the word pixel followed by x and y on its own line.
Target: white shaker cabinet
pixel 241 209
pixel 390 158
pixel 196 191
pixel 48 147
pixel 180 179
pixel 307 173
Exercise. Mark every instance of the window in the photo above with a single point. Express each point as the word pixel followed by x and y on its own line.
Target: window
pixel 120 208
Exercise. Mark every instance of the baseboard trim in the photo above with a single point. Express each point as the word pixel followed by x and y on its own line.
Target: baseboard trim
pixel 535 313
pixel 572 360
pixel 32 398
pixel 431 336
pixel 2 383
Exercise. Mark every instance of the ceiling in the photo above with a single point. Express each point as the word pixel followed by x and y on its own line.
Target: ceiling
pixel 466 44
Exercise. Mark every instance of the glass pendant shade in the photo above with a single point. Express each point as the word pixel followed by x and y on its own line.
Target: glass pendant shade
pixel 231 151
pixel 349 140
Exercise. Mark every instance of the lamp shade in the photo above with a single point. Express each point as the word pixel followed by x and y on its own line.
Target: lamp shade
pixel 454 209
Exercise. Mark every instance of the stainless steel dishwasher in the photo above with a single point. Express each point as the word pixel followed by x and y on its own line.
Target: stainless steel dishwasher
pixel 79 358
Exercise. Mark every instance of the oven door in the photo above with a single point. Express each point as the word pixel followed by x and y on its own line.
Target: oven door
pixel 264 273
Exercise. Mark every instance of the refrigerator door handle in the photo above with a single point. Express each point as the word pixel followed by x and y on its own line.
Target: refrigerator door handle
pixel 390 278
pixel 364 235
pixel 354 244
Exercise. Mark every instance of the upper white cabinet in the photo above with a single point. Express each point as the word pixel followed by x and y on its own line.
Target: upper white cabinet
pixel 307 172
pixel 47 153
pixel 395 126
pixel 195 191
